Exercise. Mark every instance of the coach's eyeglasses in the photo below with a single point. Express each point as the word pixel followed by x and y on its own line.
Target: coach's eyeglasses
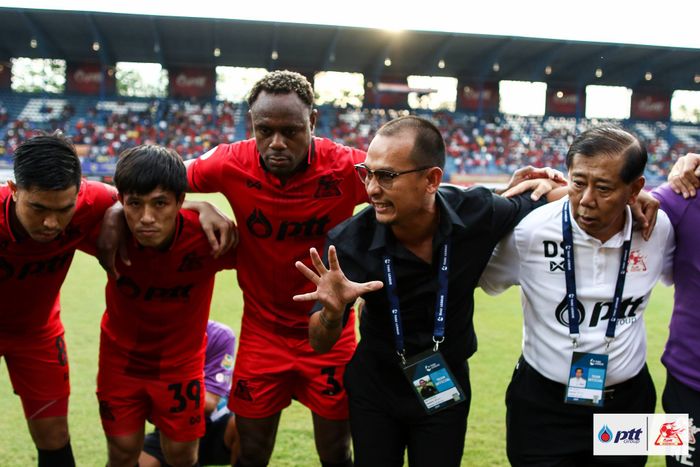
pixel 385 178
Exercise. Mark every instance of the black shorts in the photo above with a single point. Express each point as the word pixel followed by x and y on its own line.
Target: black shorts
pixel 542 430
pixel 679 398
pixel 212 450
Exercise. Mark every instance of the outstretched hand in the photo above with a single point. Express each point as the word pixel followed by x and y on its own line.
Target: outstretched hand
pixel 333 290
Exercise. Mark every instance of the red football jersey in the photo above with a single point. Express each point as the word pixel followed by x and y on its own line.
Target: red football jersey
pixel 279 223
pixel 31 273
pixel 157 311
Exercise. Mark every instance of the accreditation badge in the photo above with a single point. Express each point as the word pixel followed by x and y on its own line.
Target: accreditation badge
pixel 432 381
pixel 586 379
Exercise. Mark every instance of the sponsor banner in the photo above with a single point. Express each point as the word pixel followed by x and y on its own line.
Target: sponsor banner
pixel 470 93
pixel 640 434
pixel 648 106
pixel 564 101
pixel 389 93
pixel 86 78
pixel 192 82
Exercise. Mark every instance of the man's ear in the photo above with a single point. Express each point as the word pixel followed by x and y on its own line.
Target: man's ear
pixel 312 119
pixel 13 189
pixel 637 186
pixel 434 177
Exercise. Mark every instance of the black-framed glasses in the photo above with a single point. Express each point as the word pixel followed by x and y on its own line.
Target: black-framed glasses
pixel 385 178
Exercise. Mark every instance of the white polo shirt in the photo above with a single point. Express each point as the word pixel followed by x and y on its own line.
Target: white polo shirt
pixel 532 257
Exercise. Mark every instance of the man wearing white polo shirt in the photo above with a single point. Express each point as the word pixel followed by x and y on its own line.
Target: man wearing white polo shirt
pixel 580 263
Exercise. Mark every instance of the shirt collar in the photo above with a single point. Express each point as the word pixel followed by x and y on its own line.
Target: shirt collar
pixel 616 240
pixel 448 221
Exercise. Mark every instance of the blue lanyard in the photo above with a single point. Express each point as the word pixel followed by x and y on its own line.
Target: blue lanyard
pixel 571 281
pixel 440 302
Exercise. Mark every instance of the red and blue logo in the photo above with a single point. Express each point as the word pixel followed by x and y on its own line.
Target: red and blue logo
pixel 605 435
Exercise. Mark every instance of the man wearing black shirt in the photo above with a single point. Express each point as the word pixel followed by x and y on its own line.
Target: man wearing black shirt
pixel 418 229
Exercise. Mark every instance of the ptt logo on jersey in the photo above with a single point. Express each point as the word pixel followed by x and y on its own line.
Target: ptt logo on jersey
pixel 35 268
pixel 328 187
pixel 261 227
pixel 178 293
pixel 602 311
pixel 636 262
pixel 554 259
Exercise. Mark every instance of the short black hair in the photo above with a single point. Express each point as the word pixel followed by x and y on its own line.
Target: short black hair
pixel 142 169
pixel 47 162
pixel 611 140
pixel 283 82
pixel 428 147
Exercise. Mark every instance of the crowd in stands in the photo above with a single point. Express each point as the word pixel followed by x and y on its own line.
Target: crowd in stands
pixel 494 145
pixel 104 131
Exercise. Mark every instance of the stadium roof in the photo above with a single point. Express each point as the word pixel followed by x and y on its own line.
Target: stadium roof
pixel 184 41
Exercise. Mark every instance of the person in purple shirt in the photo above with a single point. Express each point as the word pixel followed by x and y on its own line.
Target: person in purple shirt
pixel 681 356
pixel 219 445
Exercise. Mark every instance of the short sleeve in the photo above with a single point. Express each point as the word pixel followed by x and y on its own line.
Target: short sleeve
pixel 508 212
pixel 204 174
pixel 503 269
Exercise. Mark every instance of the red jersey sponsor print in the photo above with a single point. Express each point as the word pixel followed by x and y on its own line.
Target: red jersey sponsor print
pixel 279 223
pixel 31 273
pixel 157 311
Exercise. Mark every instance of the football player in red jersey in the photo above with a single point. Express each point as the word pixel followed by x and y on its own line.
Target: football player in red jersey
pixel 153 338
pixel 287 188
pixel 46 212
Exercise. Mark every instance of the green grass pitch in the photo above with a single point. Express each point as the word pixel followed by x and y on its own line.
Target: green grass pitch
pixel 498 323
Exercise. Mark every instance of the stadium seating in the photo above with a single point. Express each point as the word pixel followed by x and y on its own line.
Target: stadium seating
pixel 487 146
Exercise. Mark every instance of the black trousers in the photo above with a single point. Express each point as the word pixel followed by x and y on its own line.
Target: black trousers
pixel 386 418
pixel 679 398
pixel 541 430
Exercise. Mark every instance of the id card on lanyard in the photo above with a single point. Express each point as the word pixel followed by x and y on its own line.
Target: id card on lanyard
pixel 427 373
pixel 588 371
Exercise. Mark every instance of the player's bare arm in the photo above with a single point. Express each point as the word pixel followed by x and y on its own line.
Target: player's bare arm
pixel 219 229
pixel 334 292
